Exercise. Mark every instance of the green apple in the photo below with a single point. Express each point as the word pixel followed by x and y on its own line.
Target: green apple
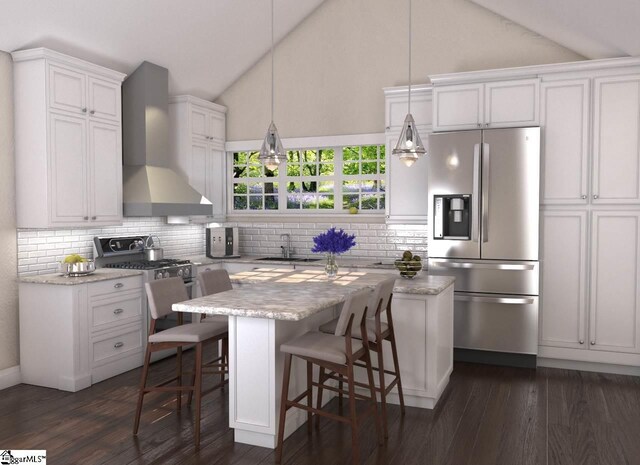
pixel 353 210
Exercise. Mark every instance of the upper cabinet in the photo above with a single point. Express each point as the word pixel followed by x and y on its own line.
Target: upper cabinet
pixel 67 141
pixel 197 140
pixel 499 104
pixel 407 186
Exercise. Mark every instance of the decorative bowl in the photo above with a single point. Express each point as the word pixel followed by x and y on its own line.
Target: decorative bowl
pixel 78 269
pixel 408 268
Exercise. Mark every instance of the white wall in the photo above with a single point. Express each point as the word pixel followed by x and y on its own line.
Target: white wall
pixel 8 287
pixel 331 69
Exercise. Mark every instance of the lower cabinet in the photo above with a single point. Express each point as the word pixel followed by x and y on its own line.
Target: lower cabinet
pixel 590 286
pixel 72 336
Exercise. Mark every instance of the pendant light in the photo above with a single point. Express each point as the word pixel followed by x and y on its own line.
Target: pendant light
pixel 409 147
pixel 272 153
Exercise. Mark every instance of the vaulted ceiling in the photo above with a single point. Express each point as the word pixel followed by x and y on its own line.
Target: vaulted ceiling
pixel 593 28
pixel 205 44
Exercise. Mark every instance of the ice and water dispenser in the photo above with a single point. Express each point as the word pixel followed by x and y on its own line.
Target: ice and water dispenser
pixel 452 217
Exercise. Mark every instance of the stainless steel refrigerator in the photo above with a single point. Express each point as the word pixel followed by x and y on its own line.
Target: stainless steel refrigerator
pixel 483 229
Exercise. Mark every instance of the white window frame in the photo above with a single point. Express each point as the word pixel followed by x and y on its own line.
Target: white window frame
pixel 304 143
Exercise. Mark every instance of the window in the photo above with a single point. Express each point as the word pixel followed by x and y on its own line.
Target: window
pixel 316 179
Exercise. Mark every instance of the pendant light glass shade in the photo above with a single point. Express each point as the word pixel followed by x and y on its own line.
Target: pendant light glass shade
pixel 272 153
pixel 409 147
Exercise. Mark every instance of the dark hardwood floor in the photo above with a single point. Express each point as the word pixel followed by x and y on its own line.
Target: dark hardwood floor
pixel 488 415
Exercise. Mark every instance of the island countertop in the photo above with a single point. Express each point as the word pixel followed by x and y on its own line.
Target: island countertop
pixel 292 296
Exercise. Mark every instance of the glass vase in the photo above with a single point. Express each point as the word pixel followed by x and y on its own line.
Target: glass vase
pixel 331 267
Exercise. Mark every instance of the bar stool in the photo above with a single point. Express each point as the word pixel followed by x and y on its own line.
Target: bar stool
pixel 335 352
pixel 161 295
pixel 377 331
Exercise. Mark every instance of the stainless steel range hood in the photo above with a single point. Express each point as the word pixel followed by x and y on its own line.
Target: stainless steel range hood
pixel 151 187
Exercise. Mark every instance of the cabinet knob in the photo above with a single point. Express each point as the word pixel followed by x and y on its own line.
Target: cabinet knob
pixel 595 196
pixel 84 110
pixel 117 345
pixel 593 343
pixel 584 196
pixel 487 125
pixel 118 285
pixel 479 125
pixel 85 218
pixel 581 341
pixel 118 311
pixel 92 112
pixel 94 217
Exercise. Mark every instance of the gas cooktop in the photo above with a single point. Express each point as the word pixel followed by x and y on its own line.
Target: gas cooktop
pixel 148 264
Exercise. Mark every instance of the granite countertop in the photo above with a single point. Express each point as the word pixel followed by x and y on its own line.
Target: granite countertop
pixel 292 296
pixel 101 274
pixel 258 260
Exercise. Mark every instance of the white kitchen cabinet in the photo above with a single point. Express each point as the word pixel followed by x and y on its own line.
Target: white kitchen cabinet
pixel 500 104
pixel 197 140
pixel 616 140
pixel 68 141
pixel 396 106
pixel 563 315
pixel 615 272
pixel 72 336
pixel 564 118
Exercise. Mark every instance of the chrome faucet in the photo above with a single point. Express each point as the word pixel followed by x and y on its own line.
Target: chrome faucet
pixel 286 249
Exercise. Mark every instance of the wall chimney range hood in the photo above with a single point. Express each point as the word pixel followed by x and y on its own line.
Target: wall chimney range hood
pixel 151 187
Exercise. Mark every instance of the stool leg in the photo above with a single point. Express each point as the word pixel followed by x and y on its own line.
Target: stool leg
pixel 372 390
pixel 394 353
pixel 319 398
pixel 283 405
pixel 340 387
pixel 179 380
pixel 198 391
pixel 355 443
pixel 143 384
pixel 383 389
pixel 309 395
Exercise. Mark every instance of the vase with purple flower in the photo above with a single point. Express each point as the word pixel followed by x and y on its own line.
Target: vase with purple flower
pixel 333 242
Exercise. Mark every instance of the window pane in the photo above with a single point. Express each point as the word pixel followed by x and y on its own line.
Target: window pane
pixel 293 201
pixel 240 171
pixel 382 202
pixel 239 203
pixel 293 187
pixel 383 151
pixel 351 168
pixel 309 156
pixel 239 188
pixel 270 187
pixel 271 202
pixel 326 186
pixel 369 202
pixel 309 186
pixel 351 153
pixel 370 152
pixel 293 156
pixel 382 186
pixel 370 167
pixel 369 186
pixel 293 169
pixel 254 158
pixel 326 155
pixel 255 171
pixel 350 186
pixel 325 201
pixel 256 188
pixel 383 167
pixel 240 158
pixel 350 200
pixel 270 173
pixel 255 202
pixel 309 202
pixel 309 170
pixel 327 169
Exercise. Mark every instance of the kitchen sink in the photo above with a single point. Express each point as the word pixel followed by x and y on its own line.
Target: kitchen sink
pixel 282 259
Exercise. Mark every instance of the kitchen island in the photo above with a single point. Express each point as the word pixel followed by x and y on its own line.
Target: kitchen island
pixel 268 307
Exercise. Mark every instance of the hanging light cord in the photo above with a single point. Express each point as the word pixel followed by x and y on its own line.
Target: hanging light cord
pixel 272 72
pixel 409 109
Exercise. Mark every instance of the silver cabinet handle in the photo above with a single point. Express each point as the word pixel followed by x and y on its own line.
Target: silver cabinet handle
pixel 485 266
pixel 92 112
pixel 595 196
pixel 486 165
pixel 593 343
pixel 117 345
pixel 583 196
pixel 118 311
pixel 84 110
pixel 495 300
pixel 581 341
pixel 118 285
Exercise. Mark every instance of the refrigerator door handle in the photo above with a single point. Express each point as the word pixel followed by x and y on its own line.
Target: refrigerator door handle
pixel 496 300
pixel 475 217
pixel 445 263
pixel 485 191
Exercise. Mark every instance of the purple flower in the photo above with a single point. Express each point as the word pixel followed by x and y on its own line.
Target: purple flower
pixel 333 241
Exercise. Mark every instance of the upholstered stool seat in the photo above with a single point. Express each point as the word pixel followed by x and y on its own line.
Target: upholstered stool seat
pixel 191 332
pixel 370 325
pixel 320 346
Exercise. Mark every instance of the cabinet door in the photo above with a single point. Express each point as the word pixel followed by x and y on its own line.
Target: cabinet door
pixel 615 270
pixel 217 127
pixel 396 110
pixel 564 279
pixel 616 140
pixel 216 176
pixel 198 171
pixel 104 99
pixel 565 141
pixel 199 123
pixel 105 173
pixel 67 90
pixel 406 197
pixel 458 107
pixel 68 170
pixel 511 103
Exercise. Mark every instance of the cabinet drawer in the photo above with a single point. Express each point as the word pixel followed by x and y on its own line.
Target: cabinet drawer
pixel 115 286
pixel 112 347
pixel 116 310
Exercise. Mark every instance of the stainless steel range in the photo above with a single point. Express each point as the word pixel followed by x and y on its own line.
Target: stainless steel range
pixel 128 253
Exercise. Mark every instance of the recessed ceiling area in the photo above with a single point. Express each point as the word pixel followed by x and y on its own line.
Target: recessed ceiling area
pixel 205 44
pixel 593 28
